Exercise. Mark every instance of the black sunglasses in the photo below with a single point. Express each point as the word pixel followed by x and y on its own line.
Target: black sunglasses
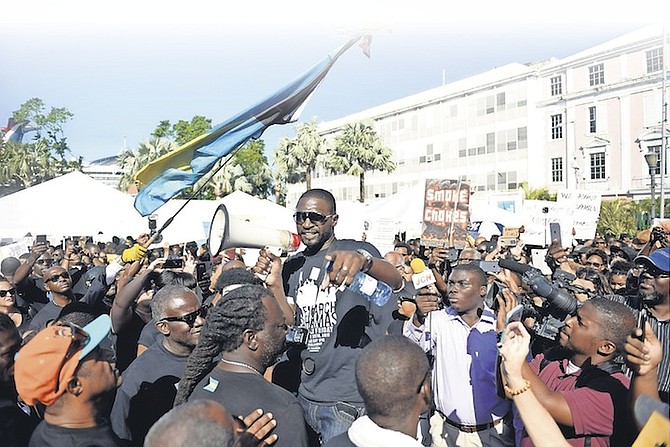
pixel 54 278
pixel 44 261
pixel 78 339
pixel 317 218
pixel 190 317
pixel 4 293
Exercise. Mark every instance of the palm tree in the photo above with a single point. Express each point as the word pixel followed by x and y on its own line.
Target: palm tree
pixel 358 149
pixel 288 169
pixel 230 178
pixel 308 147
pixel 132 161
pixel 616 217
pixel 537 194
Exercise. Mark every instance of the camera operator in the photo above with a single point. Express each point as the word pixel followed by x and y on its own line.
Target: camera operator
pixel 579 384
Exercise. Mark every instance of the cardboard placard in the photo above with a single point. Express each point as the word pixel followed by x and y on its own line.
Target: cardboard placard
pixel 446 213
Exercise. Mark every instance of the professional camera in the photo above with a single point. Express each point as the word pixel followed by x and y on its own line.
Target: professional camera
pixel 559 303
pixel 297 335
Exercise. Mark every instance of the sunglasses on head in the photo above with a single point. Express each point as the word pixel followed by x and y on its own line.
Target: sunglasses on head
pixel 78 339
pixel 190 317
pixel 54 278
pixel 317 218
pixel 4 293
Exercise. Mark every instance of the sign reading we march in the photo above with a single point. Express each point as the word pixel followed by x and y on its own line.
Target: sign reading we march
pixel 446 213
pixel 583 208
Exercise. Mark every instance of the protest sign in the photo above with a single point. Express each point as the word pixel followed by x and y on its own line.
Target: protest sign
pixel 446 213
pixel 583 208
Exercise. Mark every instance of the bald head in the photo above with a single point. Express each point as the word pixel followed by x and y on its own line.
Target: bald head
pixel 394 258
pixel 201 423
pixel 388 374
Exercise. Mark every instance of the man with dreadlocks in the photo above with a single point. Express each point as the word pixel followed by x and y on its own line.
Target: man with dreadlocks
pixel 247 331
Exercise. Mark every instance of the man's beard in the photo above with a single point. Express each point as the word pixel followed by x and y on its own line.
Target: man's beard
pixel 652 299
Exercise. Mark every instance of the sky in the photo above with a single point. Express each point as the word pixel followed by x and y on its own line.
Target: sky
pixel 124 66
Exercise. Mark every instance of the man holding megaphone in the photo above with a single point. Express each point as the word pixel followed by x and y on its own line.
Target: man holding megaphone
pixel 335 322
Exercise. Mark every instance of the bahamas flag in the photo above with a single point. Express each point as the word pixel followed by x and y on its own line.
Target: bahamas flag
pixel 166 176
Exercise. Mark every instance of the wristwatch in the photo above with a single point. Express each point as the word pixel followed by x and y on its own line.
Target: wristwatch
pixel 368 260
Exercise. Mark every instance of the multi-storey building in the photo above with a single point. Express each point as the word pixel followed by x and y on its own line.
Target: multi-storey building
pixel 581 122
pixel 106 170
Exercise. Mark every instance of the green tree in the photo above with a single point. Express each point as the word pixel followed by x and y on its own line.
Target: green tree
pixel 230 178
pixel 45 157
pixel 537 193
pixel 251 157
pixel 131 161
pixel 617 217
pixel 185 131
pixel 163 130
pixel 357 150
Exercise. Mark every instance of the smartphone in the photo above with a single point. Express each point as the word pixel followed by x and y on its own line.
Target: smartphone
pixel 507 241
pixel 489 266
pixel 173 263
pixel 41 239
pixel 493 243
pixel 555 233
pixel 512 315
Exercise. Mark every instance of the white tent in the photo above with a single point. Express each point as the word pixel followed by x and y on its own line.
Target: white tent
pixel 77 205
pixel 71 205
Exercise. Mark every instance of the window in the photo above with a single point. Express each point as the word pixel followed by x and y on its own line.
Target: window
pixel 598 166
pixel 500 101
pixel 592 119
pixel 489 105
pixel 556 127
pixel 522 135
pixel 597 75
pixel 490 142
pixel 557 169
pixel 654 60
pixel 556 85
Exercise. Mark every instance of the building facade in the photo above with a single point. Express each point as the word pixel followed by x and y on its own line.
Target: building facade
pixel 580 122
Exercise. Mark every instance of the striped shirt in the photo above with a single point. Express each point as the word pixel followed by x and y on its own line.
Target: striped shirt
pixel 662 330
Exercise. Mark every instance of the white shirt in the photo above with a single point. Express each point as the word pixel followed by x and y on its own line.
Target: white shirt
pixel 464 371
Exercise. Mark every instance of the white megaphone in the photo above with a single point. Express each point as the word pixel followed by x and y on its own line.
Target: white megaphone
pixel 227 232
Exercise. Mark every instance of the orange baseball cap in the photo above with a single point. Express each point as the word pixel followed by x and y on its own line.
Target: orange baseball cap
pixel 45 364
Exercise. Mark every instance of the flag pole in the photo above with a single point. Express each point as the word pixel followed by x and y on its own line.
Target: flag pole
pixel 193 196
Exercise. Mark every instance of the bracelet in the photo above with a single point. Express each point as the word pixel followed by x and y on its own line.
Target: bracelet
pixel 523 389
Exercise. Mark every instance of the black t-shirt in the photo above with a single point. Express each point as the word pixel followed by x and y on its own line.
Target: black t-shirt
pixel 242 393
pixel 149 334
pixel 47 435
pixel 31 292
pixel 147 392
pixel 340 325
pixel 16 427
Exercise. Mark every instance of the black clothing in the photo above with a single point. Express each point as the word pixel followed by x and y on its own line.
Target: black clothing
pixel 16 426
pixel 47 435
pixel 147 392
pixel 242 393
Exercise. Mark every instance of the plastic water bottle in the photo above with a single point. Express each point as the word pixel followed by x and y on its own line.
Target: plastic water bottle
pixel 375 291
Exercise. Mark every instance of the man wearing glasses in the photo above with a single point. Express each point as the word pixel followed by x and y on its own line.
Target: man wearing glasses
pixel 654 290
pixel 65 368
pixel 337 321
pixel 28 278
pixel 148 389
pixel 58 282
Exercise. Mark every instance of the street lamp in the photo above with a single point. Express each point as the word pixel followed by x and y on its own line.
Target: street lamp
pixel 651 159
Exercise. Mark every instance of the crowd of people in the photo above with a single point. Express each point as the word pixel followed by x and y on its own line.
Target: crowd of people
pixel 117 344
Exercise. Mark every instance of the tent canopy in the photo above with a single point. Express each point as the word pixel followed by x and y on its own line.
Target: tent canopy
pixel 78 205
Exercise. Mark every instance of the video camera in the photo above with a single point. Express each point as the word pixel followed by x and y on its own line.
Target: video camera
pixel 559 303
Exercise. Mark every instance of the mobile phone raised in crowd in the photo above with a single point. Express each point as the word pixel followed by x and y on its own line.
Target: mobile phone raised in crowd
pixel 493 243
pixel 555 233
pixel 173 263
pixel 41 239
pixel 513 315
pixel 489 266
